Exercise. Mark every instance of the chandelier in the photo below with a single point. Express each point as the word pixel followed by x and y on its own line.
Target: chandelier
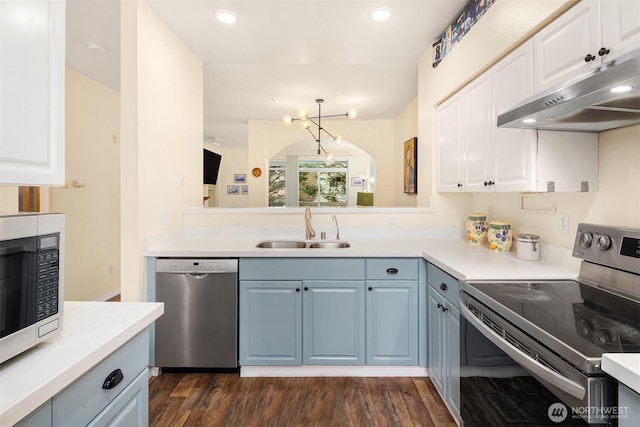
pixel 307 121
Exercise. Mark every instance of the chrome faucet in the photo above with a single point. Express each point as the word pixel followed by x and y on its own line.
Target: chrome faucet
pixel 307 216
pixel 337 228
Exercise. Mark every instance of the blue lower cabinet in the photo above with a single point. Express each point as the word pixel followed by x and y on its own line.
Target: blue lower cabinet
pixel 628 406
pixel 333 322
pixel 270 322
pixel 444 349
pixel 392 322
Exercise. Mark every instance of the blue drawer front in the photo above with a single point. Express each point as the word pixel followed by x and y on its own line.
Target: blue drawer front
pixel 392 268
pixel 445 285
pixel 301 269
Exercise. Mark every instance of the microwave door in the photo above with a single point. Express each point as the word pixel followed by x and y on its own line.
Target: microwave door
pixel 17 284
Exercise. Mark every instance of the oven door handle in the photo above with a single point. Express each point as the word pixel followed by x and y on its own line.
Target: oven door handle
pixel 524 360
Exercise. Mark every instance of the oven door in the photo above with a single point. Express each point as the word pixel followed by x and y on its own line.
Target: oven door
pixel 508 379
pixel 17 284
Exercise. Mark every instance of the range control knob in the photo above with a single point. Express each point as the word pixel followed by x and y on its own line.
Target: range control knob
pixel 584 239
pixel 602 242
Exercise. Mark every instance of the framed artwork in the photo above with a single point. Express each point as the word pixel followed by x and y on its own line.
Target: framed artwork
pixel 244 189
pixel 409 159
pixel 356 181
pixel 233 190
pixel 239 178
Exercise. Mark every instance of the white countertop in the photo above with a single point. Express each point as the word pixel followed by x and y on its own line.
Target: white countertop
pixel 452 254
pixel 91 331
pixel 625 367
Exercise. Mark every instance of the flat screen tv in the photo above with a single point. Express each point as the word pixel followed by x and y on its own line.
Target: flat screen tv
pixel 211 167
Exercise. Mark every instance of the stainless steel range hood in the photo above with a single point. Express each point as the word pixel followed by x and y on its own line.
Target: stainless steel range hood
pixel 586 104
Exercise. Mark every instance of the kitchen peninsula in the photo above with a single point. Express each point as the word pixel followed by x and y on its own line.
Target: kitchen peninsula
pixel 59 381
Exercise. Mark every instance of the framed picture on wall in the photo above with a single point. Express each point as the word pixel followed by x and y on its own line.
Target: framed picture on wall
pixel 356 181
pixel 244 189
pixel 239 178
pixel 233 190
pixel 409 159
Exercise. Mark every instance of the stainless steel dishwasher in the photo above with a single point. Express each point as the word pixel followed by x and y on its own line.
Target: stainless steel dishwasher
pixel 199 328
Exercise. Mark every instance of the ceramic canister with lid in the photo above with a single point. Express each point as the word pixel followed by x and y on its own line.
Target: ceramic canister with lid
pixel 500 237
pixel 528 247
pixel 477 227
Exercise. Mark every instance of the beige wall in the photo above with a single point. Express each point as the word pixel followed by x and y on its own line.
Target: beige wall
pixel 405 127
pixel 92 251
pixel 162 128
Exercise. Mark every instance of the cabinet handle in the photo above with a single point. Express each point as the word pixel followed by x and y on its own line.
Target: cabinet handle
pixel 589 58
pixel 370 288
pixel 392 270
pixel 113 379
pixel 306 288
pixel 444 309
pixel 297 289
pixel 439 305
pixel 459 185
pixel 603 51
pixel 443 286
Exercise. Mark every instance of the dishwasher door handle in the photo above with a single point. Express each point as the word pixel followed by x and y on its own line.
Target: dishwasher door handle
pixel 197 275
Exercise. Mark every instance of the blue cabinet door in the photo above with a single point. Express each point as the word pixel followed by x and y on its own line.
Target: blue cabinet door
pixel 452 358
pixel 130 408
pixel 392 322
pixel 333 323
pixel 436 335
pixel 270 322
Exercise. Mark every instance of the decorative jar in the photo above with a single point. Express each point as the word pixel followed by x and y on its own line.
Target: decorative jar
pixel 477 227
pixel 528 247
pixel 500 237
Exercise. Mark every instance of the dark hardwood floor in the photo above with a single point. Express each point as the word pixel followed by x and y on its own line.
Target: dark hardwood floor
pixel 214 399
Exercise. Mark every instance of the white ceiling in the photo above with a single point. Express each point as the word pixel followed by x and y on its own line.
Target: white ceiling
pixel 279 55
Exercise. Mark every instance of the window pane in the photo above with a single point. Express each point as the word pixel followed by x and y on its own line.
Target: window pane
pixel 308 184
pixel 333 188
pixel 277 186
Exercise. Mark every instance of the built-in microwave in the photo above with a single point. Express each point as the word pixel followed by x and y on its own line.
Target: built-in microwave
pixel 31 280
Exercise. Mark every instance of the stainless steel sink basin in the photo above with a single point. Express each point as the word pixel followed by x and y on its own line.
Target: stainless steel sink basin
pixel 281 244
pixel 331 245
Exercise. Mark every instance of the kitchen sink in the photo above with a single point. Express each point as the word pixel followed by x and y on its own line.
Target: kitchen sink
pixel 281 244
pixel 299 244
pixel 332 245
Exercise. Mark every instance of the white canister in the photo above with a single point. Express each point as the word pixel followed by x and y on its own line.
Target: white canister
pixel 528 247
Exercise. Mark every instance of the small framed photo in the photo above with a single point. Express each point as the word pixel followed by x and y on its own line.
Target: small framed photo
pixel 239 178
pixel 356 181
pixel 244 189
pixel 233 190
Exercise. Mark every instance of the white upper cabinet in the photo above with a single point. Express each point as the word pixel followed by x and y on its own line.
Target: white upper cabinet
pixel 620 26
pixel 588 34
pixel 32 67
pixel 450 144
pixel 475 155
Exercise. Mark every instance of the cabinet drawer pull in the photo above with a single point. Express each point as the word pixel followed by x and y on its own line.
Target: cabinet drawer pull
pixel 297 289
pixel 443 286
pixel 392 270
pixel 370 288
pixel 113 379
pixel 306 288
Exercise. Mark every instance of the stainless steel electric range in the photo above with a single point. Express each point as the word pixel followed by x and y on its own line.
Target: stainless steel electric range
pixel 531 350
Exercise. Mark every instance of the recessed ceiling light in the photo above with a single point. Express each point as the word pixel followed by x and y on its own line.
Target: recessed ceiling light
pixel 620 89
pixel 529 121
pixel 381 14
pixel 226 16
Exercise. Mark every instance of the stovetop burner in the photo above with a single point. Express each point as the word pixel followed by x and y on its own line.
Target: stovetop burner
pixel 526 292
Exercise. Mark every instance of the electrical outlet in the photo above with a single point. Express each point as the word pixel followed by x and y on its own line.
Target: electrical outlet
pixel 564 223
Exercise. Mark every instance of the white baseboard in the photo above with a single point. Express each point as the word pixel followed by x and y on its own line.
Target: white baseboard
pixel 108 296
pixel 333 371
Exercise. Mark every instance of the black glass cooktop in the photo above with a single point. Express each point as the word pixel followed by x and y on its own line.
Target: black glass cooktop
pixel 588 319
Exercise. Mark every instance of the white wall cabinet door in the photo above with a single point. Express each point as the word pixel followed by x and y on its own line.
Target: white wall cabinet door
pixel 449 144
pixel 620 26
pixel 477 134
pixel 561 47
pixel 513 152
pixel 32 41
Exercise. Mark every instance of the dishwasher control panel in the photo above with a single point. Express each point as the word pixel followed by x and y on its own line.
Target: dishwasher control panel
pixel 170 265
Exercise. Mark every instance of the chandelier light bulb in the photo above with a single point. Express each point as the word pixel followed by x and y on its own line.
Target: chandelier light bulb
pixel 328 158
pixel 306 124
pixel 352 113
pixel 303 113
pixel 287 120
pixel 381 14
pixel 337 139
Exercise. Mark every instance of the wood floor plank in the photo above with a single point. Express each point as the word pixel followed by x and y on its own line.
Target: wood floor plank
pixel 188 399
